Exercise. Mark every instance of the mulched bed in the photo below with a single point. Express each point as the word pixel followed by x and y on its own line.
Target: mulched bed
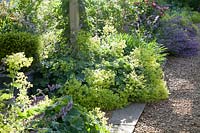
pixel 181 113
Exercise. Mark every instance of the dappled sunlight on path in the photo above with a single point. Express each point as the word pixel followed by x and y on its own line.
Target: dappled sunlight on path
pixel 181 113
pixel 182 107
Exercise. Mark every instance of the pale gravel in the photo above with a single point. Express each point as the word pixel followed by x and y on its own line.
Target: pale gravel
pixel 181 112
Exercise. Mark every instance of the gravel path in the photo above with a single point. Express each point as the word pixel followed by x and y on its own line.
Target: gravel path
pixel 181 113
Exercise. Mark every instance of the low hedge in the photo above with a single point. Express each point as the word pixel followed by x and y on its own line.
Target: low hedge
pixel 13 42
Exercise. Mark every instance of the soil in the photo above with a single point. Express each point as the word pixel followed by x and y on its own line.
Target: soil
pixel 181 112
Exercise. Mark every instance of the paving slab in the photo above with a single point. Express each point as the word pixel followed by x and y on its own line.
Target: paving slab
pixel 124 120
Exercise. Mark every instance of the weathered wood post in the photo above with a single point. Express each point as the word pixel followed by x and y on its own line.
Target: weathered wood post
pixel 74 21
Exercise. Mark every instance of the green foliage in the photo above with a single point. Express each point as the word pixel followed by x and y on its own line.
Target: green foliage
pixel 105 69
pixel 16 108
pixel 103 64
pixel 122 69
pixel 56 70
pixel 18 15
pixel 63 116
pixel 90 96
pixel 52 21
pixel 15 62
pixel 20 114
pixel 128 16
pixel 99 78
pixel 39 17
pixel 13 42
pixel 187 15
pixel 25 7
pixel 195 17
pixel 8 21
pixel 48 16
pixel 155 88
pixel 194 4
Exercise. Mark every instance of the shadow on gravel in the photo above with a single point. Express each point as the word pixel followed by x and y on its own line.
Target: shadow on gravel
pixel 181 113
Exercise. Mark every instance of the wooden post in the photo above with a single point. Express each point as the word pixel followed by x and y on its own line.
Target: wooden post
pixel 74 19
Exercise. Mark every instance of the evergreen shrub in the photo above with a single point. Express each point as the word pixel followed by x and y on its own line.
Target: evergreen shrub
pixel 13 42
